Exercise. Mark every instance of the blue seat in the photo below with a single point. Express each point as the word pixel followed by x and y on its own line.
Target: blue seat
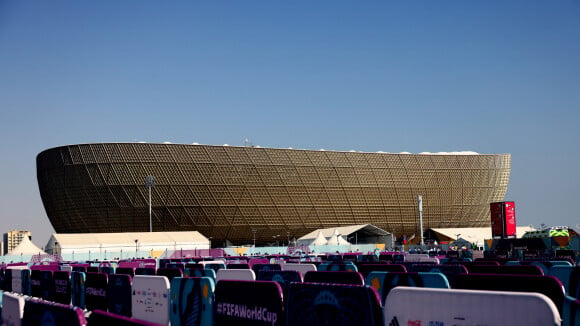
pixel 384 282
pixel 192 301
pixel 119 294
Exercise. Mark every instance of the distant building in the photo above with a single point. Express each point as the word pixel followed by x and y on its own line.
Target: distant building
pixel 13 239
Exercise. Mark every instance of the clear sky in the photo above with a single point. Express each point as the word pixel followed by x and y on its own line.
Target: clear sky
pixel 393 76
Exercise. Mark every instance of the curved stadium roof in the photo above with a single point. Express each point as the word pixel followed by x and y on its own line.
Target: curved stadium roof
pixel 235 193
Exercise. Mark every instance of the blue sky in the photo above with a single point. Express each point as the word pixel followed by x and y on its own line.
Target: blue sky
pixel 394 76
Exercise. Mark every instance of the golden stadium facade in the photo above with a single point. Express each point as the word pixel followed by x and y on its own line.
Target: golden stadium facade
pixel 241 193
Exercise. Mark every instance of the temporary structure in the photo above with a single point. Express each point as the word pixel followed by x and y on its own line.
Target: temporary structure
pixel 26 247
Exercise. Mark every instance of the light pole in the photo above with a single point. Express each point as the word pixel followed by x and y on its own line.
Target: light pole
pixel 149 183
pixel 254 232
pixel 136 240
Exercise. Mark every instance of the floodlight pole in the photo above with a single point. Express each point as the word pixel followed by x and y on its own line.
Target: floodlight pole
pixel 420 203
pixel 149 183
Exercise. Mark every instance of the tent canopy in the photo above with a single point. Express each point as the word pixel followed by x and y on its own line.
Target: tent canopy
pixel 470 235
pixel 26 247
pixel 355 234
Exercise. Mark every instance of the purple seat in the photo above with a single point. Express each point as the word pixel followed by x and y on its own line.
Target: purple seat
pixel 40 312
pixel 332 304
pixel 96 286
pixel 248 303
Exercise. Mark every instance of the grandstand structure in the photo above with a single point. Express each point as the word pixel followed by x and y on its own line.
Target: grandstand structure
pixel 254 195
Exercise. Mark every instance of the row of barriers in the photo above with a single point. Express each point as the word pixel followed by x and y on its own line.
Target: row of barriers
pixel 334 293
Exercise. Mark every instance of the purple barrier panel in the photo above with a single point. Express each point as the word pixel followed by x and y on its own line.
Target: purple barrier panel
pixel 266 267
pixel 100 317
pixel 40 313
pixel 248 303
pixel 254 261
pixel 505 269
pixel 427 306
pixel 284 278
pixel 62 287
pixel 5 282
pixel 45 266
pixel 571 312
pixel 145 271
pixel 194 266
pixel 170 273
pixel 354 278
pixel 125 270
pixel 119 294
pixel 12 308
pixel 365 269
pixel 150 298
pixel 547 285
pixel 192 300
pixel 41 284
pixel 238 266
pixel 139 263
pixel 77 284
pixel 96 286
pixel 332 304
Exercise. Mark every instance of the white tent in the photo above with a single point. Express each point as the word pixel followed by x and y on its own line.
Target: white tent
pixel 66 243
pixel 320 240
pixel 337 239
pixel 26 247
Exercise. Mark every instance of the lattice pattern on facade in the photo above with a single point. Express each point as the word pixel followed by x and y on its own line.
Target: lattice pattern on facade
pixel 225 192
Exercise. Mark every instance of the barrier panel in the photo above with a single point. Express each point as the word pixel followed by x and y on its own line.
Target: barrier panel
pixel 100 317
pixel 575 283
pixel 169 272
pixel 238 266
pixel 564 274
pixel 302 268
pixel 150 300
pixel 77 285
pixel 12 308
pixel 235 274
pixel 62 287
pixel 571 312
pixel 365 269
pixel 354 278
pixel 506 269
pixel 192 301
pixel 20 276
pixel 125 270
pixel 449 307
pixel 265 267
pixel 332 304
pixel 119 294
pixel 145 271
pixel 547 285
pixel 41 284
pixel 39 313
pixel 96 286
pixel 200 273
pixel 337 267
pixel 384 282
pixel 248 303
pixel 283 278
pixel 449 270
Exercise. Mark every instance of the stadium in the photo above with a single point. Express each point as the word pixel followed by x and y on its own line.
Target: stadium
pixel 246 194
